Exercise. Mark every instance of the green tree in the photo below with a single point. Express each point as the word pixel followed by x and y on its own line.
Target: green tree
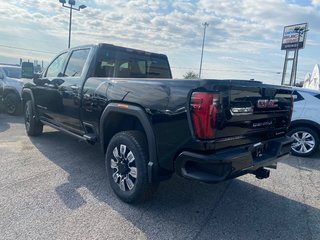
pixel 190 75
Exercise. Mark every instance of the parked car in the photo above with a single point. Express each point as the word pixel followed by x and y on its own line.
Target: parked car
pixel 10 89
pixel 305 125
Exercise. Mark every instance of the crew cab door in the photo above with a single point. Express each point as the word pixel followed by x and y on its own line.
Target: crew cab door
pixel 58 94
pixel 70 90
pixel 47 98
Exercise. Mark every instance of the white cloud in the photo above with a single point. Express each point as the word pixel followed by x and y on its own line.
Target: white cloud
pixel 249 29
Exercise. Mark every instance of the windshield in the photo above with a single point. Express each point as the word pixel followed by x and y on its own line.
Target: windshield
pixel 12 72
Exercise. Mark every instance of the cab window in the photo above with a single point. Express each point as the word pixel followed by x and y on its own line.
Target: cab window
pixel 105 63
pixel 76 63
pixel 55 68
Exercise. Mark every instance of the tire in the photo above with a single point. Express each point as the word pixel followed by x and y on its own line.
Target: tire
pixel 126 165
pixel 306 141
pixel 33 126
pixel 12 104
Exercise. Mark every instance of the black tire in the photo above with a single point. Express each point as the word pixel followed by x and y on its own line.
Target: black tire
pixel 12 104
pixel 33 126
pixel 129 179
pixel 306 141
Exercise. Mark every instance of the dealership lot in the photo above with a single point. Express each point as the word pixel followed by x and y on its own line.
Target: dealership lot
pixel 54 187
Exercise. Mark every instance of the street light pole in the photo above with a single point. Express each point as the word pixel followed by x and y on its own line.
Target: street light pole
pixel 204 36
pixel 70 27
pixel 71 3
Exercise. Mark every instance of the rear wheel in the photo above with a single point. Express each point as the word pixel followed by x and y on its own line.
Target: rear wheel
pixel 12 104
pixel 306 141
pixel 33 126
pixel 126 165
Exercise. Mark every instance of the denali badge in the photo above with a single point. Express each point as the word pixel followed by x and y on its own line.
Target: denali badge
pixel 265 103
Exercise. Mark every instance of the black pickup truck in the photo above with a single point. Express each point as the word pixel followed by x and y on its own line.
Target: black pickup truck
pixel 150 126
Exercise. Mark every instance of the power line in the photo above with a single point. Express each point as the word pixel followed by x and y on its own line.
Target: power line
pixel 186 68
pixel 26 49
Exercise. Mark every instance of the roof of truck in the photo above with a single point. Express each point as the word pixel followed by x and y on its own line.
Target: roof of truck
pixel 118 47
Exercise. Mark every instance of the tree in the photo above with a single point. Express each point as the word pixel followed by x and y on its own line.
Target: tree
pixel 190 75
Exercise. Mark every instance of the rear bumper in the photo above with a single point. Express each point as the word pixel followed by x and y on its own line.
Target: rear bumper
pixel 232 163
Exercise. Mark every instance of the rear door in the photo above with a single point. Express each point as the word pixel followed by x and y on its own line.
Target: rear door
pixel 69 89
pixel 59 92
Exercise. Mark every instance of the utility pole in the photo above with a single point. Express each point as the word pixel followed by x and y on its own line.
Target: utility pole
pixel 71 4
pixel 204 37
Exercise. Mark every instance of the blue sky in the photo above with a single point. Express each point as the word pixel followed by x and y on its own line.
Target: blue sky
pixel 243 38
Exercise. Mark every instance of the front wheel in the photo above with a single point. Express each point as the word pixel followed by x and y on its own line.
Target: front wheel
pixel 126 165
pixel 306 141
pixel 33 126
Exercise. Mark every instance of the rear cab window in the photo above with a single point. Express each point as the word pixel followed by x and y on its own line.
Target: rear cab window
pixel 128 63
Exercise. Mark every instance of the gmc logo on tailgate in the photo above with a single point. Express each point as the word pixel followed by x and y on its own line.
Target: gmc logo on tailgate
pixel 265 103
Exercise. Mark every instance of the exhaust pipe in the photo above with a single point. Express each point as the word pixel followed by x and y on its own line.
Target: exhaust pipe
pixel 262 173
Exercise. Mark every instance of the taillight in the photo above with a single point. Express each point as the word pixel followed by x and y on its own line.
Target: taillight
pixel 204 113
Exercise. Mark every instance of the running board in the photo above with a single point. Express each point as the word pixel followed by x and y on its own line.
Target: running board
pixel 90 138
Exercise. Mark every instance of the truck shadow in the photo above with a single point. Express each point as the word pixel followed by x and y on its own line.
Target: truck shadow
pixel 180 209
pixel 5 121
pixel 307 163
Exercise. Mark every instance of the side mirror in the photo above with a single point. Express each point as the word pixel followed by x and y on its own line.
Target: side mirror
pixel 1 76
pixel 37 79
pixel 40 81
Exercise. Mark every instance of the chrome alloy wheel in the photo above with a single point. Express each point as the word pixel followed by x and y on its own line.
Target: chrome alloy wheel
pixel 304 142
pixel 124 168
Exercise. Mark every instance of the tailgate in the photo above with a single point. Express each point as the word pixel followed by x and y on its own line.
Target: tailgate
pixel 247 112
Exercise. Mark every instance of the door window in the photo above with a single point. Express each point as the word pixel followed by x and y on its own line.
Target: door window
pixel 55 68
pixel 76 63
pixel 105 63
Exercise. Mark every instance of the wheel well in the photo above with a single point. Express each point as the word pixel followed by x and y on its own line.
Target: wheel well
pixel 305 124
pixel 119 122
pixel 25 97
pixel 8 91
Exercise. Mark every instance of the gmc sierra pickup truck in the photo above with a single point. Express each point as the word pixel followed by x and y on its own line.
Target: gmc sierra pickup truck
pixel 150 126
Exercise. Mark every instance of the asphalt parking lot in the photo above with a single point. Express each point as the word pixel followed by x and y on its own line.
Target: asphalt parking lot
pixel 54 187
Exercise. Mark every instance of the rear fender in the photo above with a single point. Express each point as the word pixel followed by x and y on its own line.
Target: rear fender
pixel 141 115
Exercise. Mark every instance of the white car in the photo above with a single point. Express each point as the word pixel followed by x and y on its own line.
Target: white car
pixel 10 88
pixel 305 124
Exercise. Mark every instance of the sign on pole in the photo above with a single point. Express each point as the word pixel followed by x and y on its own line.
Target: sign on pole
pixel 292 35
